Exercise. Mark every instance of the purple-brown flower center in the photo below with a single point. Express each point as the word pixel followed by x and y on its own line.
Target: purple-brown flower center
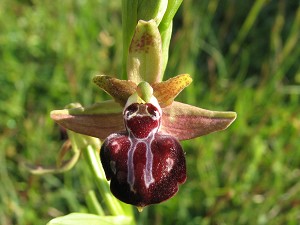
pixel 142 120
pixel 144 166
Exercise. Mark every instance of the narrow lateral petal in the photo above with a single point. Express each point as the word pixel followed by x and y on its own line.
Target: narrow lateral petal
pixel 120 90
pixel 99 120
pixel 166 91
pixel 186 122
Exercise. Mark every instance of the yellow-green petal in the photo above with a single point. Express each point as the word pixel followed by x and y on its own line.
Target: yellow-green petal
pixel 120 90
pixel 166 91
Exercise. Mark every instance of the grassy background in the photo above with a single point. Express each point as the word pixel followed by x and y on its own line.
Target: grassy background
pixel 243 56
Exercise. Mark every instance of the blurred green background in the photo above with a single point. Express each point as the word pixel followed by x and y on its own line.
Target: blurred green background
pixel 243 56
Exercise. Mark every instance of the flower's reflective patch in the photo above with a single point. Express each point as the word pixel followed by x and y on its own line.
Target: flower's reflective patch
pixel 144 166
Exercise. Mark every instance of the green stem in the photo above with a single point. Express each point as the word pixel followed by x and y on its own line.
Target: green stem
pixel 94 163
pixel 93 204
pixel 129 21
pixel 165 41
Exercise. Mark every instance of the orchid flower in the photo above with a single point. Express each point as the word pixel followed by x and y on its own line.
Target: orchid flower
pixel 142 125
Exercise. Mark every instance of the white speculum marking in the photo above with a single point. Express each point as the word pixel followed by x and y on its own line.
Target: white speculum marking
pixel 148 176
pixel 170 163
pixel 116 146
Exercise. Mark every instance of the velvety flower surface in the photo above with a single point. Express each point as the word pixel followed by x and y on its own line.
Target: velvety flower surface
pixel 144 166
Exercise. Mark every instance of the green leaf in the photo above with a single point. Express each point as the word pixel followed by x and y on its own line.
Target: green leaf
pixel 172 8
pixel 165 42
pixel 90 219
pixel 165 29
pixel 152 10
pixel 129 21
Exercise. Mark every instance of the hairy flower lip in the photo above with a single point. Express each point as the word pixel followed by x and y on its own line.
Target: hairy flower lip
pixel 140 161
pixel 156 192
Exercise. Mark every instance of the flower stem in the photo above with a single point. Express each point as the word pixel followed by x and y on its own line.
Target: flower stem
pixel 93 204
pixel 94 163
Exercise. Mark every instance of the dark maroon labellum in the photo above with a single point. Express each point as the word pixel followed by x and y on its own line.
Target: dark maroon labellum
pixel 144 166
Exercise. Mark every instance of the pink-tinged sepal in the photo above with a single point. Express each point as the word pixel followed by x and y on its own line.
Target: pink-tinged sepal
pixel 185 121
pixel 98 120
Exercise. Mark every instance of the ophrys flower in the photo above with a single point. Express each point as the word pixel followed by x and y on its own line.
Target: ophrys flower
pixel 142 127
